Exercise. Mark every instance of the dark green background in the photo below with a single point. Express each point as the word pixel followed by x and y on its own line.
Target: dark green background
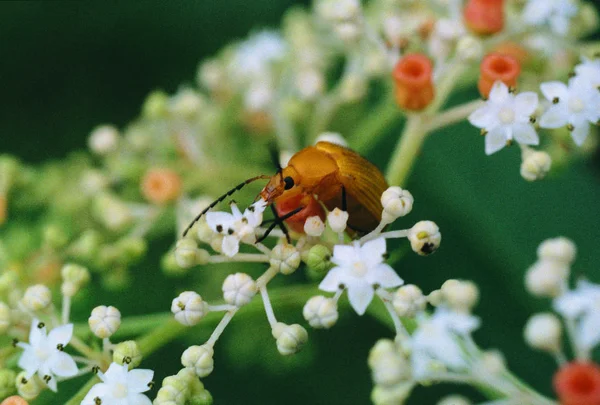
pixel 66 67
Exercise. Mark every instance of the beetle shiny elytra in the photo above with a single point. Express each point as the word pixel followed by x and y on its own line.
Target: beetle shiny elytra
pixel 327 173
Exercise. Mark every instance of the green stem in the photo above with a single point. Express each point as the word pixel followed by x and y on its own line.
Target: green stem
pixel 406 151
pixel 452 115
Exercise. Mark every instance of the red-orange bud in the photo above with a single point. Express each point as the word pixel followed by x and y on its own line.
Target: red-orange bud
pixel 311 208
pixel 14 400
pixel 484 16
pixel 513 49
pixel 161 186
pixel 497 67
pixel 413 78
pixel 578 384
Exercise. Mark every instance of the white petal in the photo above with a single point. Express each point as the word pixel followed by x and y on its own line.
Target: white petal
pixel 526 103
pixel 372 252
pixel 138 399
pixel 499 93
pixel 344 255
pixel 29 361
pixel 52 384
pixel 235 211
pixel 556 116
pixel 138 380
pixel 116 373
pixel 580 132
pixel 63 365
pixel 494 141
pixel 60 335
pixel 36 335
pixel 525 134
pixel 482 117
pixel 384 276
pixel 559 24
pixel 99 390
pixel 550 90
pixel 570 305
pixel 332 280
pixel 213 219
pixel 230 245
pixel 589 330
pixel 360 296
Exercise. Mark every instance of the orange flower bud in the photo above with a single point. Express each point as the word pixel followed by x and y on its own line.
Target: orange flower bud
pixel 578 384
pixel 161 186
pixel 14 400
pixel 413 77
pixel 484 16
pixel 513 49
pixel 296 221
pixel 496 67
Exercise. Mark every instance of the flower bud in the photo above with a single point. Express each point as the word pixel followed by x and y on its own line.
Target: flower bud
pixel 424 237
pixel 186 103
pixel 187 253
pixel 332 137
pixel 37 298
pixel 285 258
pixel 388 366
pixel 492 362
pixel 14 400
pixel 409 301
pixel 469 49
pixel 497 67
pixel 484 16
pixel 55 236
pixel 4 318
pixel 104 321
pixel 104 139
pixel 199 358
pixel 155 105
pixel 543 332
pixel 112 212
pixel 318 258
pixel 337 220
pixel 397 394
pixel 161 186
pixel 314 226
pixel 546 278
pixel 578 383
pixel 29 388
pixel 127 352
pixel 460 295
pixel 189 308
pixel 413 78
pixel 7 382
pixel 559 249
pixel 396 203
pixel 454 400
pixel 239 289
pixel 74 277
pixel 201 398
pixel 535 166
pixel 435 298
pixel 320 312
pixel 290 338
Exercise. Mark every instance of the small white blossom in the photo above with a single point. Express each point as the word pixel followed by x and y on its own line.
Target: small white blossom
pixel 236 227
pixel 121 386
pixel 409 301
pixel 200 358
pixel 555 13
pixel 44 353
pixel 290 338
pixel 546 278
pixel 332 137
pixel 104 139
pixel 309 83
pixel 506 117
pixel 285 258
pixel 575 105
pixel 253 58
pixel 186 103
pixel 360 269
pixel 559 249
pixel 258 96
pixel 543 331
pixel 583 306
pixel 424 237
pixel 189 308
pixel 396 203
pixel 37 298
pixel 239 289
pixel 320 312
pixel 437 342
pixel 338 10
pixel 469 48
pixel 589 72
pixel 337 220
pixel 314 226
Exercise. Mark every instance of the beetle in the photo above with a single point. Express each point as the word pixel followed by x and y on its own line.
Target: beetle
pixel 329 173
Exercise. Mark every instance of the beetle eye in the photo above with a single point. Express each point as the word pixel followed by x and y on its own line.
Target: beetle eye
pixel 289 183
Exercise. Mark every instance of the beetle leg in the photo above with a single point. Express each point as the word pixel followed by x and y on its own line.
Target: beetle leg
pixel 281 224
pixel 279 221
pixel 344 201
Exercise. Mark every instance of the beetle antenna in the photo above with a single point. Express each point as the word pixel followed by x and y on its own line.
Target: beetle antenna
pixel 279 222
pixel 221 198
pixel 274 152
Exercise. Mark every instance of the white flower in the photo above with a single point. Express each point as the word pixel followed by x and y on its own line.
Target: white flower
pixel 543 331
pixel 555 13
pixel 44 353
pixel 337 220
pixel 546 278
pixel 396 203
pixel 104 139
pixel 583 306
pixel 505 117
pixel 314 226
pixel 236 227
pixel 576 105
pixel 254 56
pixel 535 165
pixel 360 269
pixel 424 237
pixel 285 258
pixel 589 72
pixel 437 341
pixel 121 386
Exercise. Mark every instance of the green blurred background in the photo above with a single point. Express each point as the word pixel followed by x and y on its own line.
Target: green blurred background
pixel 66 67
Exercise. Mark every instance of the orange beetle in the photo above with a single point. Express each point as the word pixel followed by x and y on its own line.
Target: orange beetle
pixel 326 172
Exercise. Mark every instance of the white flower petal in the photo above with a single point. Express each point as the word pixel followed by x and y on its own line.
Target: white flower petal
pixel 214 219
pixel 99 390
pixel 483 117
pixel 36 335
pixel 138 380
pixel 526 103
pixel 550 90
pixel 360 296
pixel 589 330
pixel 384 276
pixel 499 93
pixel 580 132
pixel 116 373
pixel 52 384
pixel 494 141
pixel 138 399
pixel 525 134
pixel 29 361
pixel 555 116
pixel 63 365
pixel 60 335
pixel 230 246
pixel 344 255
pixel 332 280
pixel 372 252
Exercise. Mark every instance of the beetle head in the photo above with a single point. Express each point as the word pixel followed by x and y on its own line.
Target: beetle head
pixel 284 182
